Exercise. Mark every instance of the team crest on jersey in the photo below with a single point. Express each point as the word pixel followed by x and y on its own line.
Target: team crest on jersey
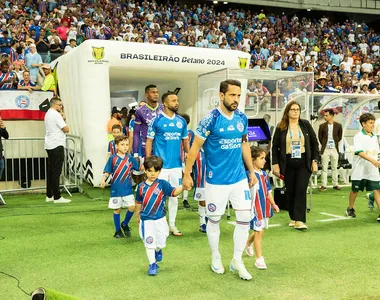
pixel 243 62
pixel 22 101
pixel 240 126
pixel 179 124
pixel 156 191
pixel 149 240
pixel 210 174
pixel 211 207
pixel 98 52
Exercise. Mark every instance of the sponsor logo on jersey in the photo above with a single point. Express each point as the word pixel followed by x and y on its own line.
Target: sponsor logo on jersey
pixel 179 124
pixel 240 126
pixel 221 129
pixel 211 207
pixel 149 240
pixel 171 125
pixel 231 128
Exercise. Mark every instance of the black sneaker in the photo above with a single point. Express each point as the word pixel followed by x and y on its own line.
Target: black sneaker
pixel 350 212
pixel 186 204
pixel 126 229
pixel 378 219
pixel 118 234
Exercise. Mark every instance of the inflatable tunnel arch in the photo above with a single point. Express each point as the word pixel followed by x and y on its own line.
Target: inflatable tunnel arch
pixel 89 73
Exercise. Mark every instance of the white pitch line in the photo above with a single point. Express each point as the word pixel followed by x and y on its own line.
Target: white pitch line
pixel 271 225
pixel 335 217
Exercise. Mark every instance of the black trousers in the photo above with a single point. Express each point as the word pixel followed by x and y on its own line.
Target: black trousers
pixel 54 170
pixel 296 179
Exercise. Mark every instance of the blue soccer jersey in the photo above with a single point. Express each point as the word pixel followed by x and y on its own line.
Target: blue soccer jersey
pixel 199 167
pixel 167 134
pixel 152 198
pixel 262 206
pixel 112 147
pixel 121 170
pixel 223 146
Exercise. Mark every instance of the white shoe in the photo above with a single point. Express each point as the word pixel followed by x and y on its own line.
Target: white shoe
pixel 62 200
pixel 260 263
pixel 238 267
pixel 249 250
pixel 51 199
pixel 217 266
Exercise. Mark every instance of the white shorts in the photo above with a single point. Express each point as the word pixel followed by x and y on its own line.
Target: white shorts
pixel 238 194
pixel 199 194
pixel 154 233
pixel 121 202
pixel 259 225
pixel 173 176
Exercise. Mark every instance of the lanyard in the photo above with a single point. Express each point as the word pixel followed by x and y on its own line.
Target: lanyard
pixel 299 133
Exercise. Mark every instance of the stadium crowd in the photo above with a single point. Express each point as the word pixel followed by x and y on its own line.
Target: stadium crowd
pixel 344 57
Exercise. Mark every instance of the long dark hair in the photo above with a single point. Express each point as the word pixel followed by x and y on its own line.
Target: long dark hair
pixel 284 123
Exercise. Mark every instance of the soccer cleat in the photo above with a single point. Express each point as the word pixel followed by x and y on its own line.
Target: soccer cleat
pixel 323 188
pixel 300 225
pixel 174 231
pixel 249 250
pixel 238 267
pixel 126 229
pixel 292 223
pixel 371 205
pixel 350 212
pixel 153 269
pixel 118 234
pixel 337 187
pixel 49 199
pixel 202 228
pixel 186 204
pixel 62 200
pixel 158 255
pixel 260 263
pixel 217 266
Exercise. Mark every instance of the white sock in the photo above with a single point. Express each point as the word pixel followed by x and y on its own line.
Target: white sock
pixel 240 240
pixel 173 207
pixel 202 214
pixel 213 233
pixel 185 194
pixel 151 255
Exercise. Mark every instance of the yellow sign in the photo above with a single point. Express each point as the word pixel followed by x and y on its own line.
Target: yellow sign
pixel 243 62
pixel 98 52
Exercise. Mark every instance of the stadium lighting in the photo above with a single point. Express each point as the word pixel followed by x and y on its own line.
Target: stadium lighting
pixel 309 9
pixel 225 2
pixel 215 2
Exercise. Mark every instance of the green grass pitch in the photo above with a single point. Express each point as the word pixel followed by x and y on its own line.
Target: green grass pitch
pixel 70 248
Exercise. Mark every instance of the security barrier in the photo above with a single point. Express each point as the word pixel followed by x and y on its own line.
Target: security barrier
pixel 25 162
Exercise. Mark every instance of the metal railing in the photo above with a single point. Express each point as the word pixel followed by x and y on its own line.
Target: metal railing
pixel 25 165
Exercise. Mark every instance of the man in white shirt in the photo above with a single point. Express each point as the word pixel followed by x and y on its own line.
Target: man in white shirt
pixel 55 141
pixel 367 66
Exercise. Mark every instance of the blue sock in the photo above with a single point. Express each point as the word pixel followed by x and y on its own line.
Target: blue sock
pixel 128 217
pixel 116 220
